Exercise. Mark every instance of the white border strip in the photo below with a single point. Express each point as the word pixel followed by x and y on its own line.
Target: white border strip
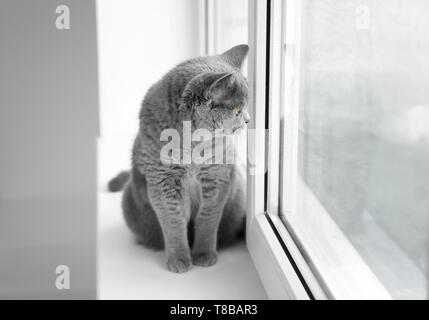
pixel 276 61
pixel 257 58
pixel 211 19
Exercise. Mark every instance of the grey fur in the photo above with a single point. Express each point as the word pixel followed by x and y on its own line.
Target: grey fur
pixel 187 209
pixel 117 183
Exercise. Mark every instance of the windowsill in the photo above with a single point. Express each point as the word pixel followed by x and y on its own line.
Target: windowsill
pixel 129 271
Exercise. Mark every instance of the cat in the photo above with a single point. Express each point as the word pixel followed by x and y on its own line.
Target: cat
pixel 189 210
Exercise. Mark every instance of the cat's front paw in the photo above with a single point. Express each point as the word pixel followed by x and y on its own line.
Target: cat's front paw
pixel 204 258
pixel 178 263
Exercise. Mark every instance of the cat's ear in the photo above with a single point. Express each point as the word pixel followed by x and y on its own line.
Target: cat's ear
pixel 211 85
pixel 214 79
pixel 219 89
pixel 236 55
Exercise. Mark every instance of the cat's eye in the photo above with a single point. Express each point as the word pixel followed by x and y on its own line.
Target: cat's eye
pixel 237 112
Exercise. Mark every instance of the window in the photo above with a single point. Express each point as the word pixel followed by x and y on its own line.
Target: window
pixel 227 24
pixel 342 209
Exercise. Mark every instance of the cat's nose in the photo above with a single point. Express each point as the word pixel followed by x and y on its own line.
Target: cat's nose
pixel 246 117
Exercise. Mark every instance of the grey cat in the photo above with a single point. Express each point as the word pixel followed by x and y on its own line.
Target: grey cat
pixel 188 209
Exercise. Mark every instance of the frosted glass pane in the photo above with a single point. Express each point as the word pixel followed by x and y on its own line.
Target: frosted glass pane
pixel 364 130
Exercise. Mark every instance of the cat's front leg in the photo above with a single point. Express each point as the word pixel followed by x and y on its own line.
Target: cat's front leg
pixel 167 198
pixel 215 190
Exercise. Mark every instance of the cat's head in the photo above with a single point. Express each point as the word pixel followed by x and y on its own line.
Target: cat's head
pixel 219 100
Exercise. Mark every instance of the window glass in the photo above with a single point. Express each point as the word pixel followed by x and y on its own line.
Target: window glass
pixel 230 23
pixel 363 133
pixel 231 29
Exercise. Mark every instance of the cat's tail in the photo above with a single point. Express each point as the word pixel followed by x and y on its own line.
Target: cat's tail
pixel 118 182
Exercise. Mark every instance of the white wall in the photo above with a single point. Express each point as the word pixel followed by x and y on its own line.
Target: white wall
pixel 138 42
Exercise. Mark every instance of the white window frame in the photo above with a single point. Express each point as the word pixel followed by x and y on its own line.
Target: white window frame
pixel 280 264
pixel 275 245
pixel 283 263
pixel 209 9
